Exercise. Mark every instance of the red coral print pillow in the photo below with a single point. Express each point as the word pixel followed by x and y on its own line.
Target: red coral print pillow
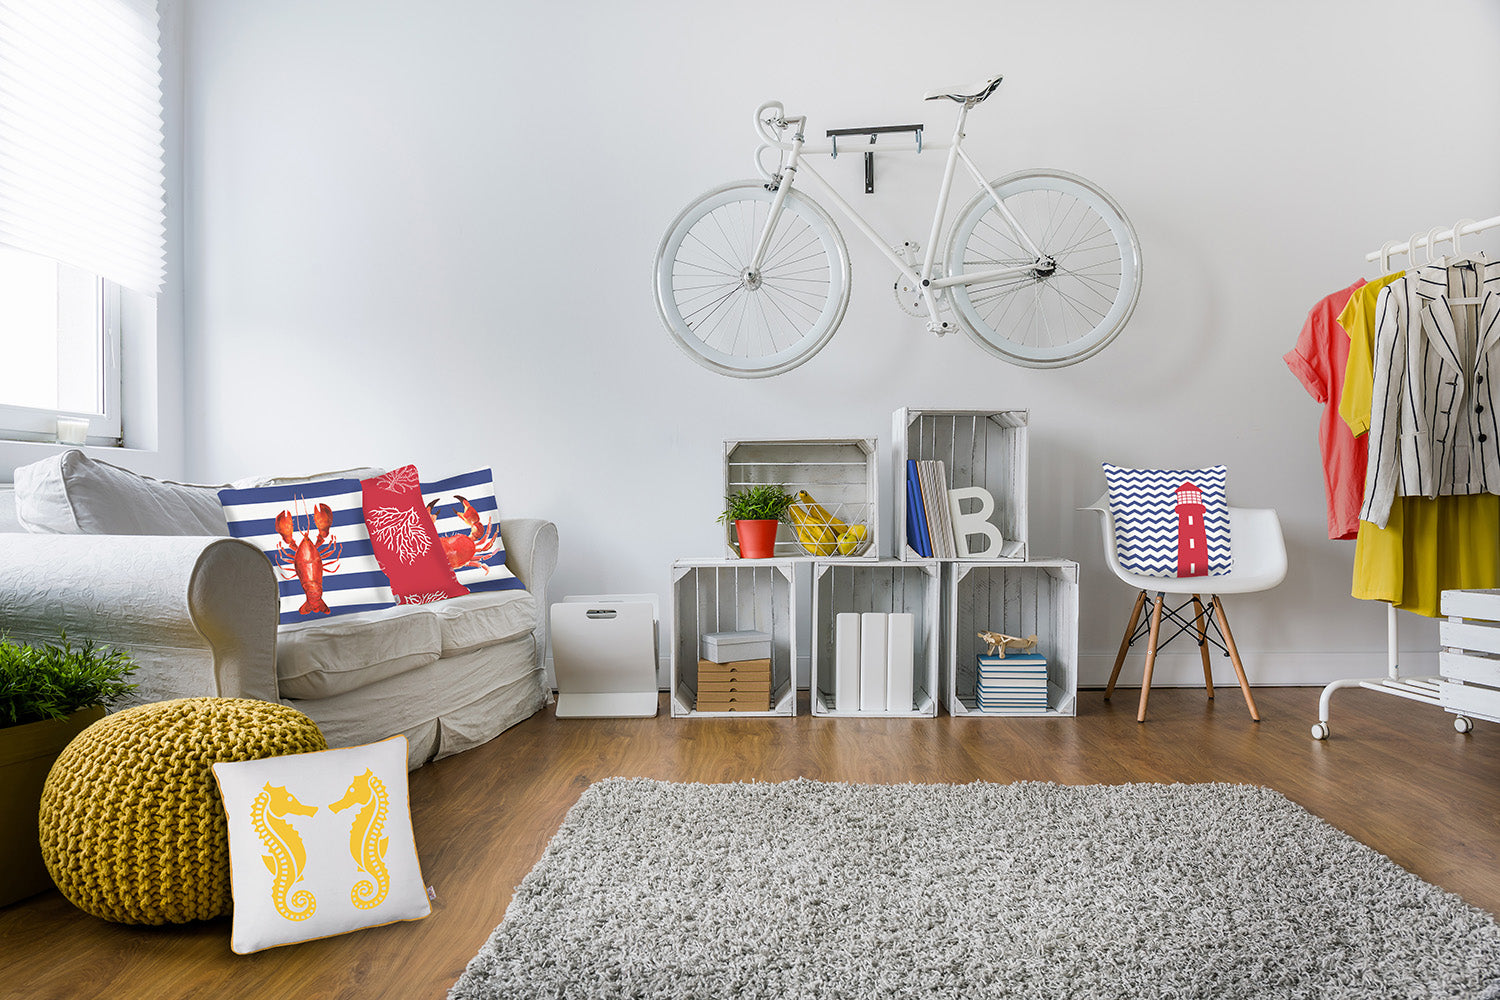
pixel 404 539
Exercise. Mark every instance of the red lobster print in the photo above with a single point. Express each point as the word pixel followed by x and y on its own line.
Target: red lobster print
pixel 309 558
pixel 466 550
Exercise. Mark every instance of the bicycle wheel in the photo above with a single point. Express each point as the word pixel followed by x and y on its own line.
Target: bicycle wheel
pixel 1073 304
pixel 736 321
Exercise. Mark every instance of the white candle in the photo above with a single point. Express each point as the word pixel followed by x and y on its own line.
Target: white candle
pixel 71 430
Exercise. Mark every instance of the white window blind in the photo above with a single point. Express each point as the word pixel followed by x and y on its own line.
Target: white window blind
pixel 81 136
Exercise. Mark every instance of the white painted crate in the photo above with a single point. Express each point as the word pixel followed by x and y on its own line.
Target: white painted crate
pixel 985 448
pixel 728 595
pixel 1031 598
pixel 1469 662
pixel 841 474
pixel 886 585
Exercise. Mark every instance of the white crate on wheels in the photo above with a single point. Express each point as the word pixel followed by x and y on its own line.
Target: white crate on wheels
pixel 1469 661
pixel 1030 598
pixel 886 585
pixel 729 595
pixel 983 448
pixel 841 474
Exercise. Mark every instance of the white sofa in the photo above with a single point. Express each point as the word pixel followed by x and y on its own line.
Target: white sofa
pixel 148 566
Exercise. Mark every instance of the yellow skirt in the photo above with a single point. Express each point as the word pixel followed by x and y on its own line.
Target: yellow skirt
pixel 1429 545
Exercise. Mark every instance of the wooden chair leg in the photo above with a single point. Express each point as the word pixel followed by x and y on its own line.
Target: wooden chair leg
pixel 1234 656
pixel 1202 620
pixel 1150 656
pixel 1135 619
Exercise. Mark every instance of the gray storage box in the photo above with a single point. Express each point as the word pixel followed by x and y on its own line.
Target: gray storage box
pixel 730 647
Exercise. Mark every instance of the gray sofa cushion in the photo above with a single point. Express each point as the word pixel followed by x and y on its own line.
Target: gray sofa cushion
pixel 332 656
pixel 73 494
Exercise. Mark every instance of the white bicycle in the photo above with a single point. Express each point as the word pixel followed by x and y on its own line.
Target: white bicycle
pixel 1042 268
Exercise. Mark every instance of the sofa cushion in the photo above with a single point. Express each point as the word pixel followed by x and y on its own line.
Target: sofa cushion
pixel 73 494
pixel 323 658
pixel 464 505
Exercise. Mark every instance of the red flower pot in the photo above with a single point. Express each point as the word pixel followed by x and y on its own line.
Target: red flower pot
pixel 757 538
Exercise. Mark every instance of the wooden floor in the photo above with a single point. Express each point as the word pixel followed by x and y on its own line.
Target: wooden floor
pixel 1395 775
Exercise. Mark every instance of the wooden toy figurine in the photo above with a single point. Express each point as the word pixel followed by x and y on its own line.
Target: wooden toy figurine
pixel 999 641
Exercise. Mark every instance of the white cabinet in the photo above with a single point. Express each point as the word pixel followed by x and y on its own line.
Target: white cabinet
pixel 1030 598
pixel 887 586
pixel 730 595
pixel 1467 663
pixel 984 448
pixel 840 474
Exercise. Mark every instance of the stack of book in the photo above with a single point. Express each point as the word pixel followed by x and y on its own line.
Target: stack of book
pixel 1012 685
pixel 929 520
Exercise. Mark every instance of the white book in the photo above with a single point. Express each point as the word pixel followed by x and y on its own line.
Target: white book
pixel 846 661
pixel 872 666
pixel 900 658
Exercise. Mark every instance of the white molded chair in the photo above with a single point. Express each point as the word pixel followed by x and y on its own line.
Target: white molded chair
pixel 1259 563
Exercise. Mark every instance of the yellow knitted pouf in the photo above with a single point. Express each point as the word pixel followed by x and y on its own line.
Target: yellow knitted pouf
pixel 131 825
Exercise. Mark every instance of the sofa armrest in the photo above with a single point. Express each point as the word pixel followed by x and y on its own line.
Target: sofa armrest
pixel 197 613
pixel 530 552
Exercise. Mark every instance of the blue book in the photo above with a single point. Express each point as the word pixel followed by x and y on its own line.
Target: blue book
pixel 916 513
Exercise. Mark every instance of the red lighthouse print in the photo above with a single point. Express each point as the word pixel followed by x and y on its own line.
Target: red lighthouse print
pixel 1192 542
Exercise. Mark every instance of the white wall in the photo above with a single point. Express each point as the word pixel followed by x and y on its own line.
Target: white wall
pixel 421 232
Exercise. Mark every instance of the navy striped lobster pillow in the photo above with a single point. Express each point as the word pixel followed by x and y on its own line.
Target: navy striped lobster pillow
pixel 1170 522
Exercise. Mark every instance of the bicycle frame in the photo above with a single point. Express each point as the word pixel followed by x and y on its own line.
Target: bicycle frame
pixel 794 168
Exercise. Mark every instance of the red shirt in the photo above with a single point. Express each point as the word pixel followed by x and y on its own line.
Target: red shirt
pixel 1318 361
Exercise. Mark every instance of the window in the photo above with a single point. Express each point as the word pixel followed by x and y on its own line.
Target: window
pixel 81 204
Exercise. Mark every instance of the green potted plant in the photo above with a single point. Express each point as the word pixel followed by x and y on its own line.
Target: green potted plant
pixel 49 693
pixel 756 512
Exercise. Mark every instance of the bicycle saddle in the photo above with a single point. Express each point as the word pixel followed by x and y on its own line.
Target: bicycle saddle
pixel 966 95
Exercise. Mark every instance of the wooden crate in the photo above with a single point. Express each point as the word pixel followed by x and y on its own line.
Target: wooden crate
pixel 1031 598
pixel 985 448
pixel 841 474
pixel 723 595
pixel 1469 662
pixel 885 585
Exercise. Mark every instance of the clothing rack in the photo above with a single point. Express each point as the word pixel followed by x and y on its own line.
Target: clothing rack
pixel 1423 689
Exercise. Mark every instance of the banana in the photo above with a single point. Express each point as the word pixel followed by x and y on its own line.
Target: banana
pixel 849 540
pixel 815 536
pixel 819 532
pixel 818 514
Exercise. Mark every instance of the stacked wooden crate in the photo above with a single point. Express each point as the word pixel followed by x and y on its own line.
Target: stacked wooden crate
pixel 734 672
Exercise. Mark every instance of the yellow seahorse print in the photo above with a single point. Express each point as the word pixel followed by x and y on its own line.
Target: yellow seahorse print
pixel 367 842
pixel 288 857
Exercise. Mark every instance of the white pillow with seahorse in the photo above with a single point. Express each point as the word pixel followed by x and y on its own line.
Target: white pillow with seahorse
pixel 320 844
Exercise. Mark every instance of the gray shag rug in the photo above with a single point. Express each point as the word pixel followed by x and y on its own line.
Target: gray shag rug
pixel 655 890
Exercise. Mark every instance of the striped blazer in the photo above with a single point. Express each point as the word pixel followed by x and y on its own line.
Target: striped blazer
pixel 1433 420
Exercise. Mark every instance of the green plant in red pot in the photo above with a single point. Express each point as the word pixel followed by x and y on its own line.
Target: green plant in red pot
pixel 757 512
pixel 49 693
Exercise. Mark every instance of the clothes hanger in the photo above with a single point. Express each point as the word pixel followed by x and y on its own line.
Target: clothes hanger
pixel 1459 257
pixel 1432 241
pixel 1385 256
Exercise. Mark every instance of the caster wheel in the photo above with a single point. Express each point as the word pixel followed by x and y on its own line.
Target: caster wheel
pixel 1320 730
pixel 1462 724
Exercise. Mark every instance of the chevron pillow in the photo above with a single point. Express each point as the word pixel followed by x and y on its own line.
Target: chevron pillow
pixel 1170 522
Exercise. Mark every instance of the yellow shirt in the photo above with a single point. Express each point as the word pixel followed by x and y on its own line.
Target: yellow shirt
pixel 1358 321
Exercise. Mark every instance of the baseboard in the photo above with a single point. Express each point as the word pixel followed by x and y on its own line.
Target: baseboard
pixel 1185 669
pixel 1279 669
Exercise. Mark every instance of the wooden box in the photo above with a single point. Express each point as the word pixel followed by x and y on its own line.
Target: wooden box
pixel 841 474
pixel 885 585
pixel 984 448
pixel 729 595
pixel 738 686
pixel 1469 661
pixel 1032 598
